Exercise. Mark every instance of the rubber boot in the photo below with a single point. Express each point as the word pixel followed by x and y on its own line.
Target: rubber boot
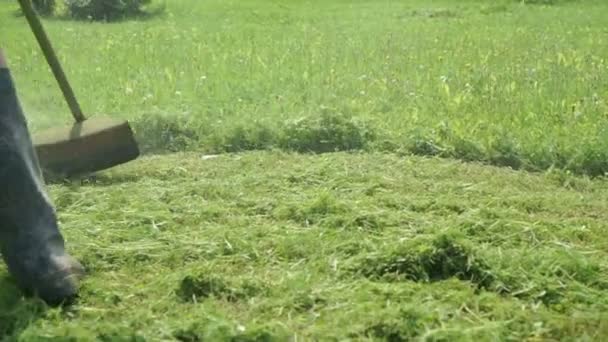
pixel 30 241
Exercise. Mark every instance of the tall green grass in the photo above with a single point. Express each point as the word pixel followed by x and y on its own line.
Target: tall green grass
pixel 507 83
pixel 268 246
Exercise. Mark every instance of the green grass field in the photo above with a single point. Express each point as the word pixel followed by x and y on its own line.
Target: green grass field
pixel 424 223
pixel 499 82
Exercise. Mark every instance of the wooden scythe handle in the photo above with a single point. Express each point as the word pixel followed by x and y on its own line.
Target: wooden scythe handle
pixel 51 58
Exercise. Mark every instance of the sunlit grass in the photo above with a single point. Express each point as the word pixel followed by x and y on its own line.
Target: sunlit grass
pixel 506 83
pixel 266 246
pixel 373 244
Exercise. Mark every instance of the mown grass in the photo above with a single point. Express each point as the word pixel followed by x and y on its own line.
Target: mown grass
pixel 267 246
pixel 365 245
pixel 512 83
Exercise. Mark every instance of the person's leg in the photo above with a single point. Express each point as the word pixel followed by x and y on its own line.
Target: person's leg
pixel 30 241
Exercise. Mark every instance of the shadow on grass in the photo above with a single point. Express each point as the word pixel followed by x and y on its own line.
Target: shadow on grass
pixel 16 313
pixel 95 180
pixel 143 15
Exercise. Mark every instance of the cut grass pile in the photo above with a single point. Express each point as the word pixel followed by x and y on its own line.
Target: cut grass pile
pixel 376 244
pixel 514 83
pixel 263 246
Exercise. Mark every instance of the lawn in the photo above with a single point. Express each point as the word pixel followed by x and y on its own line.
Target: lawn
pixel 524 86
pixel 267 245
pixel 460 196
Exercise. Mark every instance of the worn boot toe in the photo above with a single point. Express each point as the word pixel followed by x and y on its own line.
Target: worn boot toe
pixel 53 278
pixel 62 282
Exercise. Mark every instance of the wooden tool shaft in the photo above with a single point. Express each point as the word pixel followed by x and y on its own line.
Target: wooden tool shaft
pixel 51 58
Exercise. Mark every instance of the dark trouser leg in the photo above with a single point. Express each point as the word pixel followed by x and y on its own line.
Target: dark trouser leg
pixel 30 241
